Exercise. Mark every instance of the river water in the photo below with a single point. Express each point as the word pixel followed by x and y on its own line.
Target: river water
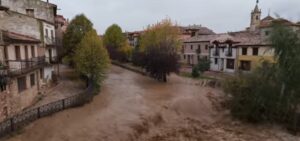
pixel 132 107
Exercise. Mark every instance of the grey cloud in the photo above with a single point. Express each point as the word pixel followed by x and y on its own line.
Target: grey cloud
pixel 131 15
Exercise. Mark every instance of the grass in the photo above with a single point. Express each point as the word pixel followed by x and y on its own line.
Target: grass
pixel 189 75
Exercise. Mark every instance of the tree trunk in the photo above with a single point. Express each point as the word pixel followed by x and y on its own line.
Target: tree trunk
pixel 164 78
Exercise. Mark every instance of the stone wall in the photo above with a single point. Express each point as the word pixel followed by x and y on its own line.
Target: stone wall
pixel 19 23
pixel 42 10
pixel 12 101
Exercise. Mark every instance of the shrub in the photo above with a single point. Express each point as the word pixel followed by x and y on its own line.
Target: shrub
pixel 195 72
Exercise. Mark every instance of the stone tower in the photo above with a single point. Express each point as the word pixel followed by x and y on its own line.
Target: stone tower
pixel 255 17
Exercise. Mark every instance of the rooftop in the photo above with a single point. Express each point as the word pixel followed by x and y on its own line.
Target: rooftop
pixel 12 37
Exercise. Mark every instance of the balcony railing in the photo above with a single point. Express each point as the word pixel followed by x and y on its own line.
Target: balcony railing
pixel 17 67
pixel 50 41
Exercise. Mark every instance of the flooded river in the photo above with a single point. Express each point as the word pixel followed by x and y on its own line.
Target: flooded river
pixel 132 107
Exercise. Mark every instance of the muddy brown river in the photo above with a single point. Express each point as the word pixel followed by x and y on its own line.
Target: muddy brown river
pixel 132 107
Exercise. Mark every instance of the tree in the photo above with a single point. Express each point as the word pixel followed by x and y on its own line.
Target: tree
pixel 76 30
pixel 91 58
pixel 116 43
pixel 160 44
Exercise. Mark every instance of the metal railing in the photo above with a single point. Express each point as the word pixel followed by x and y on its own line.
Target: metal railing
pixel 20 120
pixel 16 67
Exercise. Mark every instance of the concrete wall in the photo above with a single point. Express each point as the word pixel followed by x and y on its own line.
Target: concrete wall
pixel 21 24
pixel 42 10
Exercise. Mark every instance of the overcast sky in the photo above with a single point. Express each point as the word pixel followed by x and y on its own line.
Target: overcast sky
pixel 132 15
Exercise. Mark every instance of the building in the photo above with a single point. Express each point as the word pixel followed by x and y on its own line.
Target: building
pixel 223 53
pixel 246 50
pixel 133 38
pixel 196 41
pixel 27 52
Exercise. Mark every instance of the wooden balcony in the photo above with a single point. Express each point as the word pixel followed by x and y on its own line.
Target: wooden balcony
pixel 19 67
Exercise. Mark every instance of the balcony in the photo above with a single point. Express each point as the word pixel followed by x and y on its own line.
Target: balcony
pixel 19 67
pixel 50 41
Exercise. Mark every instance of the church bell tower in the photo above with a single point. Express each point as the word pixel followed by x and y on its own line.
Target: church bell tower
pixel 255 17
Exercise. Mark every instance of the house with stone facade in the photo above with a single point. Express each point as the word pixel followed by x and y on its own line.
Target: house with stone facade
pixel 196 45
pixel 27 52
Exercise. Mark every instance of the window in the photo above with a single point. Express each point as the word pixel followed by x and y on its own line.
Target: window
pixel 206 47
pixel 52 35
pixel 257 17
pixel 199 57
pixel 30 12
pixel 230 64
pixel 3 84
pixel 42 73
pixel 245 65
pixel 216 61
pixel 255 51
pixel 32 80
pixel 184 57
pixel 267 33
pixel 22 84
pixel 0 2
pixel 244 51
pixel 17 52
pixel 192 47
pixel 32 51
pixel 46 33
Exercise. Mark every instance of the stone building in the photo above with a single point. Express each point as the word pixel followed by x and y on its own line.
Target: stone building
pixel 196 45
pixel 27 52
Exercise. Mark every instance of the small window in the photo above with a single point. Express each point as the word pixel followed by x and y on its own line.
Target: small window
pixel 206 47
pixel 52 34
pixel 21 84
pixel 199 47
pixel 257 17
pixel 46 33
pixel 245 65
pixel 255 51
pixel 192 47
pixel 41 73
pixel 230 64
pixel 244 51
pixel 30 12
pixel 184 57
pixel 32 51
pixel 267 33
pixel 216 61
pixel 32 80
pixel 199 57
pixel 18 52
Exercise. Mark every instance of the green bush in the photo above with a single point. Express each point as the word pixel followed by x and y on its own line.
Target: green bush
pixel 195 72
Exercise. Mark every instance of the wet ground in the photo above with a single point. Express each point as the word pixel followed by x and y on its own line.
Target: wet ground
pixel 132 107
pixel 69 85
